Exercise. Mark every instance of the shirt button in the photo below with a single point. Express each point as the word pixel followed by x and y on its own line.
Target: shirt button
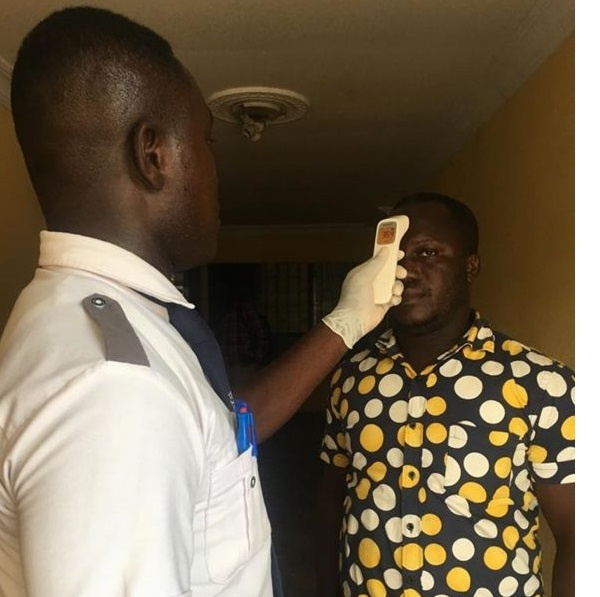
pixel 410 526
pixel 253 481
pixel 411 475
pixel 412 425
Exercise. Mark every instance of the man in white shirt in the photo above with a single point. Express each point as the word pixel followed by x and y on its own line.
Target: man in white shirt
pixel 120 473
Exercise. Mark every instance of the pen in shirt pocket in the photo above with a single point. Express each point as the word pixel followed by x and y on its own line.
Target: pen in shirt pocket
pixel 245 432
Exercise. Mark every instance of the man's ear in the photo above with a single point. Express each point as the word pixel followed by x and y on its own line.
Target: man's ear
pixel 473 265
pixel 148 152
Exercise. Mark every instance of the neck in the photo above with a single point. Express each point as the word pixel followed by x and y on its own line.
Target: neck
pixel 421 345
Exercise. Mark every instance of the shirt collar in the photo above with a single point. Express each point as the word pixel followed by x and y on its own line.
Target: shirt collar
pixel 74 251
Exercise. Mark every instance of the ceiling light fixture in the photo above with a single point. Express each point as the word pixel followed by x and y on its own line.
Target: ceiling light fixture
pixel 255 108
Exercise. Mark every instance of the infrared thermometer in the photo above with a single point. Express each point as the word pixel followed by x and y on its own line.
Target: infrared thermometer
pixel 389 233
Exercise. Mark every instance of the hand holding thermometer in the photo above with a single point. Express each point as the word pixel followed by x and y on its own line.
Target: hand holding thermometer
pixel 389 233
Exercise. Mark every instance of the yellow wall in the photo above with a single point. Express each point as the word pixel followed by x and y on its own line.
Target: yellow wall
pixel 20 219
pixel 518 174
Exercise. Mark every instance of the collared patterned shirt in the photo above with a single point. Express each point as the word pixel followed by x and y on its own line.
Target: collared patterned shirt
pixel 441 466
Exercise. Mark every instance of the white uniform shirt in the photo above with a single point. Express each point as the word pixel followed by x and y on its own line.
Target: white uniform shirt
pixel 117 479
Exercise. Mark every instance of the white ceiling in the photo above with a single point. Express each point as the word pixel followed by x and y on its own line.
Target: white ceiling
pixel 395 88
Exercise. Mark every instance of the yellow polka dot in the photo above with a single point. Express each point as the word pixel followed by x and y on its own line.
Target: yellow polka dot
pixel 340 460
pixel 529 540
pixel 376 588
pixel 335 396
pixel 431 524
pixel 436 433
pixel 498 438
pixel 411 593
pixel 409 477
pixel 428 369
pixel 368 553
pixel 340 438
pixel 537 563
pixel 366 384
pixel 474 492
pixel 514 394
pixel 371 438
pixel 431 380
pixel 528 497
pixel 414 437
pixel 401 434
pixel 412 556
pixel 343 407
pixel 497 509
pixel 495 558
pixel 518 426
pixel 510 536
pixel 377 471
pixel 473 355
pixel 568 428
pixel 436 406
pixel 422 495
pixel 512 347
pixel 537 453
pixel 398 557
pixel 435 554
pixel 458 579
pixel 488 345
pixel 502 492
pixel 336 376
pixel 363 488
pixel 502 467
pixel 384 366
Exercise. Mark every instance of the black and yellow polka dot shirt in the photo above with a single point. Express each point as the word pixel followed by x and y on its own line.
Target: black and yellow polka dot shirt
pixel 440 466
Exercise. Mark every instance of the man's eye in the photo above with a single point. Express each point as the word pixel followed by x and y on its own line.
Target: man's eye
pixel 427 252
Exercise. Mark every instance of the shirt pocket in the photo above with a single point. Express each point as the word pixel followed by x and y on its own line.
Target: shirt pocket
pixel 479 470
pixel 237 525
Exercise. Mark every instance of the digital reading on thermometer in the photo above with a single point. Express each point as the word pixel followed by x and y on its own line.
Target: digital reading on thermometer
pixel 389 233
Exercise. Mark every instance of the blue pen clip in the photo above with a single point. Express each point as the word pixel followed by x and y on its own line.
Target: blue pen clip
pixel 245 432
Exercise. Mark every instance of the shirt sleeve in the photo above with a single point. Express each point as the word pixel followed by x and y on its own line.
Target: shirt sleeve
pixel 333 445
pixel 105 477
pixel 552 447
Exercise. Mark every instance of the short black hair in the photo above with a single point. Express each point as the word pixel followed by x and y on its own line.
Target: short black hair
pixel 462 215
pixel 77 64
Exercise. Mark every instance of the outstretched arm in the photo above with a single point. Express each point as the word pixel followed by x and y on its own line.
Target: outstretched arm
pixel 278 390
pixel 558 506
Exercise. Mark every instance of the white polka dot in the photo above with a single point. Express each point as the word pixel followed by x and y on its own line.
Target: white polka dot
pixel 547 470
pixel 426 458
pixel 538 359
pixel 373 408
pixel 468 387
pixel 367 364
pixel 531 586
pixel 392 578
pixel 459 505
pixel 555 384
pixel 395 457
pixel 492 368
pixel 573 395
pixel 520 563
pixel 568 479
pixel 352 527
pixel 390 385
pixel 463 549
pixel 359 461
pixel 427 581
pixel 520 520
pixel 566 455
pixel 520 454
pixel 520 368
pixel 398 411
pixel 359 356
pixel 329 442
pixel 353 419
pixel 325 458
pixel 356 574
pixel 346 589
pixel 483 593
pixel 384 497
pixel 508 586
pixel 548 417
pixel 328 417
pixel 486 529
pixel 411 525
pixel 492 411
pixel 370 519
pixel 452 473
pixel 435 482
pixel 457 437
pixel 476 464
pixel 484 332
pixel 348 384
pixel 523 481
pixel 416 406
pixel 451 368
pixel 393 529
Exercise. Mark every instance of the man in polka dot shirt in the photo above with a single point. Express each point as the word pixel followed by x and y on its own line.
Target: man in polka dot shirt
pixel 444 440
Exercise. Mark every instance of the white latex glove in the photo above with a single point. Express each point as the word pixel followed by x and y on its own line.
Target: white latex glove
pixel 356 313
